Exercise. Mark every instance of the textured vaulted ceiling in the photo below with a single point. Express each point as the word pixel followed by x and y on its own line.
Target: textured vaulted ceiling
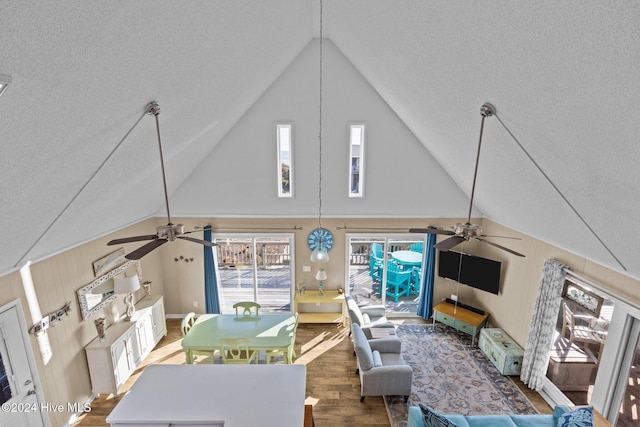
pixel 562 76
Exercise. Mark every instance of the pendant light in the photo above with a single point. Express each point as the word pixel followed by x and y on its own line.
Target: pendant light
pixel 320 254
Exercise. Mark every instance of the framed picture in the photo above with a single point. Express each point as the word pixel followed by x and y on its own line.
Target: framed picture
pixel 107 262
pixel 583 297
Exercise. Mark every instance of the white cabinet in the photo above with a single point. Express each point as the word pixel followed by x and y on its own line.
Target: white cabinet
pixel 123 354
pixel 144 335
pixel 151 324
pixel 159 321
pixel 112 360
pixel 126 344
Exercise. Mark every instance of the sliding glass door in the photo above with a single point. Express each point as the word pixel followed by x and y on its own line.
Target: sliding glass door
pixel 595 356
pixel 579 339
pixel 255 267
pixel 629 381
pixel 385 269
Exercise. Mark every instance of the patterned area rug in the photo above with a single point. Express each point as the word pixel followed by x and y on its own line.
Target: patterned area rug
pixel 452 378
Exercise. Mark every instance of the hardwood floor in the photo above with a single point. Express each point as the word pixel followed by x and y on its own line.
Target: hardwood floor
pixel 332 385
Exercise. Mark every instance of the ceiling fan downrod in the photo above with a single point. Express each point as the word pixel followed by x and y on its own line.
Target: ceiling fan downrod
pixel 153 109
pixel 487 110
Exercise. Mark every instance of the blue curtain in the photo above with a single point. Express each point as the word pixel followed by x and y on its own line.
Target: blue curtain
pixel 212 300
pixel 425 305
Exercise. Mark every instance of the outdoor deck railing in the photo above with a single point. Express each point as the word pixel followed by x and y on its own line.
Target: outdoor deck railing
pixel 269 254
pixel 279 254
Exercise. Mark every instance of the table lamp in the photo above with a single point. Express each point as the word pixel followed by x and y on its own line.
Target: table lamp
pixel 321 275
pixel 127 285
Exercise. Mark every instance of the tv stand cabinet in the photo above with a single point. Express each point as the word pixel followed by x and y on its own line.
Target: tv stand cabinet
pixel 460 318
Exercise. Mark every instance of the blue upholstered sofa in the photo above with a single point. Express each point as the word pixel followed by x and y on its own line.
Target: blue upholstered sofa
pixel 415 419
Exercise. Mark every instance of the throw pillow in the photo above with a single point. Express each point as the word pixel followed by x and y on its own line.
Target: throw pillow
pixel 432 418
pixel 580 417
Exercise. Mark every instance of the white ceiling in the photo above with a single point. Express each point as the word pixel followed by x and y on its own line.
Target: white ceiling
pixel 562 76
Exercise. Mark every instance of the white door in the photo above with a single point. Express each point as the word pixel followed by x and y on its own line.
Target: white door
pixel 20 405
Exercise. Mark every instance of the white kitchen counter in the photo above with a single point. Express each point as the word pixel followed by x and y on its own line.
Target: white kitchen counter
pixel 206 395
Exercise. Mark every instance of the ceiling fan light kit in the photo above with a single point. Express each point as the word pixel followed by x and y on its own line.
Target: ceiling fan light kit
pixel 164 233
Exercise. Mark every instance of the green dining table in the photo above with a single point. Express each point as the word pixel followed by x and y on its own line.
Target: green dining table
pixel 265 332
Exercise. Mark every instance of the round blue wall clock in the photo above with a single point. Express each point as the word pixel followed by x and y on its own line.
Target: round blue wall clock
pixel 314 239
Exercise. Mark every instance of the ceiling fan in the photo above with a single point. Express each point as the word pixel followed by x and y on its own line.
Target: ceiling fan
pixel 462 232
pixel 164 233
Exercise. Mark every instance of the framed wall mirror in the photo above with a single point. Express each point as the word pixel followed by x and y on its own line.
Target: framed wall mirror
pixel 99 293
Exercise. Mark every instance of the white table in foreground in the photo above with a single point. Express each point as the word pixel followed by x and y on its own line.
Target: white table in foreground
pixel 206 395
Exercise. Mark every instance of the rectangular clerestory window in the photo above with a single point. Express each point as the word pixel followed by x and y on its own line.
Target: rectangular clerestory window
pixel 284 138
pixel 356 160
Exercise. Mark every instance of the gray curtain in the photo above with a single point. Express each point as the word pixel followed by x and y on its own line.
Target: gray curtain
pixel 543 324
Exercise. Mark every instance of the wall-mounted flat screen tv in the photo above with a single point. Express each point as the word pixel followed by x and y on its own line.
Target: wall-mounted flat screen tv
pixel 477 272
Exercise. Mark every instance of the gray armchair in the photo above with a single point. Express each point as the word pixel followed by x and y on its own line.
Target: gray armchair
pixel 382 369
pixel 367 317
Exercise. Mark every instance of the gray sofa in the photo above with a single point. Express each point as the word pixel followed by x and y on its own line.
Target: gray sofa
pixel 367 317
pixel 382 369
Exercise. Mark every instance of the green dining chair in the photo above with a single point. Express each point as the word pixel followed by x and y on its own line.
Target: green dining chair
pixel 248 308
pixel 291 353
pixel 185 327
pixel 236 351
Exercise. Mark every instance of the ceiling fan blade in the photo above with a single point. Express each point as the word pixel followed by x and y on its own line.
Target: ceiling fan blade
pixel 500 237
pixel 500 246
pixel 133 239
pixel 431 231
pixel 447 244
pixel 192 231
pixel 202 242
pixel 145 249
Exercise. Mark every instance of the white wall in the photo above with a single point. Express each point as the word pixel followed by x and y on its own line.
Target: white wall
pixel 239 177
pixel 65 377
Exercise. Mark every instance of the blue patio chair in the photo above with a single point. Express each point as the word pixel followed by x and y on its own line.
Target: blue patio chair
pixel 376 249
pixel 416 277
pixel 417 247
pixel 398 281
pixel 376 262
pixel 375 268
